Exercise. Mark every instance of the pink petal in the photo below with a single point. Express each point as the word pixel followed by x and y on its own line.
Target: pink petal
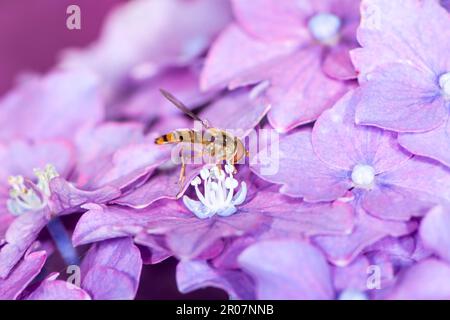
pixel 288 270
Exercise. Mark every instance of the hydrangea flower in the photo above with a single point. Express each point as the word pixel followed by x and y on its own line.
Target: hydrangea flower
pixel 336 156
pixel 170 226
pixel 404 72
pixel 29 199
pixel 291 48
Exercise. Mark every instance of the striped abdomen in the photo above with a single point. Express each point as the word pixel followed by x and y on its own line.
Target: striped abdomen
pixel 179 136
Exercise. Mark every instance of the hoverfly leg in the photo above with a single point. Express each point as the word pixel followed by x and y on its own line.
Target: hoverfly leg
pixel 182 176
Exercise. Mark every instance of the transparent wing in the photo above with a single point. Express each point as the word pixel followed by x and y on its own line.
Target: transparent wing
pixel 180 105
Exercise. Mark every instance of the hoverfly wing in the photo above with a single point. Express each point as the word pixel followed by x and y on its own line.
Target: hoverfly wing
pixel 180 105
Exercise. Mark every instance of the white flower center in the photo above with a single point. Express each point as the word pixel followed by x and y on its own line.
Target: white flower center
pixel 363 176
pixel 27 196
pixel 218 197
pixel 325 28
pixel 444 83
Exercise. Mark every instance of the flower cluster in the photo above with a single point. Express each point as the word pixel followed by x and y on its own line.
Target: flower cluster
pixel 358 206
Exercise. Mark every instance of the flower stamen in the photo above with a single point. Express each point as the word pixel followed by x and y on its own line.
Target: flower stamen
pixel 219 193
pixel 27 196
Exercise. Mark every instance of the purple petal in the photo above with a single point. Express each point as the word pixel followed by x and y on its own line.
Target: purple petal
pixel 65 196
pixel 237 112
pixel 342 250
pixel 224 64
pixel 72 97
pixel 300 171
pixel 427 280
pixel 401 98
pixel 147 104
pixel 273 20
pixel 288 270
pixel 132 163
pixel 434 144
pixel 96 147
pixel 185 234
pixel 402 32
pixel 434 231
pixel 112 269
pixel 338 64
pixel 58 290
pixel 20 235
pixel 20 157
pixel 22 275
pixel 294 218
pixel 353 276
pixel 352 144
pixel 195 274
pixel 299 91
pixel 425 178
pixel 163 186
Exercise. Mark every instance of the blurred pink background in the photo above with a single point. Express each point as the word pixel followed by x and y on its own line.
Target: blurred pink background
pixel 32 33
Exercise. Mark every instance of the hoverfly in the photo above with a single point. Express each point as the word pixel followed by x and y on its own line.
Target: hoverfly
pixel 216 144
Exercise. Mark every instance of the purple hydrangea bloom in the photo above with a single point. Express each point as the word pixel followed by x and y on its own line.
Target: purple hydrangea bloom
pixel 182 230
pixel 293 49
pixel 404 72
pixel 336 156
